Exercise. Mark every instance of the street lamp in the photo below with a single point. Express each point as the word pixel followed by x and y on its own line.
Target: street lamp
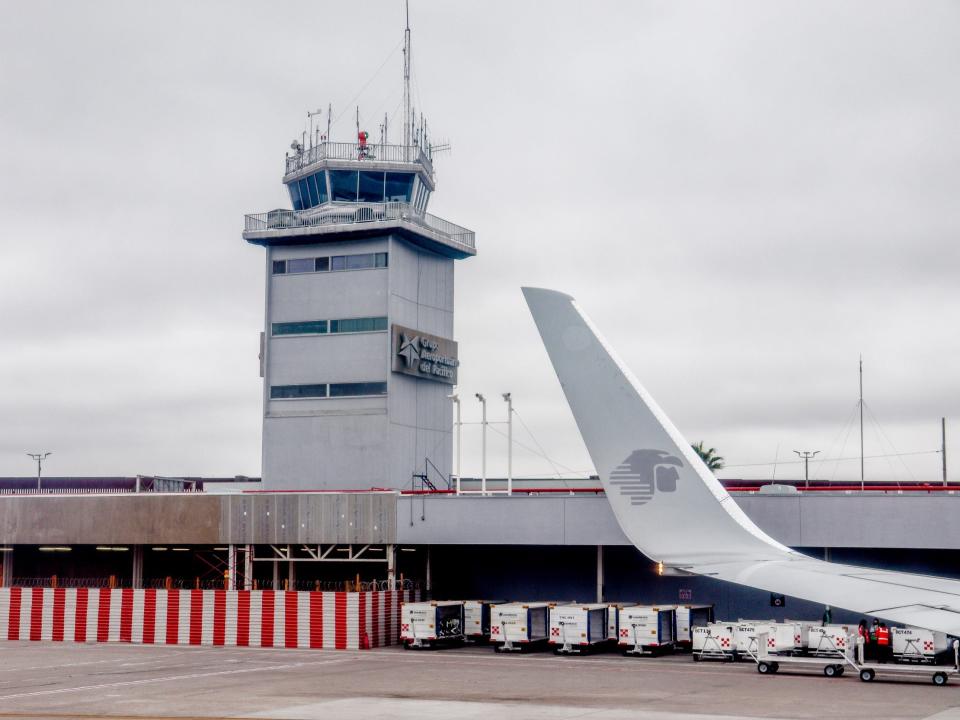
pixel 459 426
pixel 509 400
pixel 39 457
pixel 805 456
pixel 483 447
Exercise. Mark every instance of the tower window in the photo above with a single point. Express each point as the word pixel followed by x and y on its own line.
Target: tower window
pixel 361 261
pixel 307 327
pixel 398 187
pixel 321 264
pixel 300 265
pixel 343 185
pixel 288 392
pixel 324 390
pixel 322 327
pixel 279 267
pixel 357 389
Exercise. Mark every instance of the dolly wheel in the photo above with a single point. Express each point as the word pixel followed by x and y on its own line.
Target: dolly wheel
pixel 839 670
pixel 764 669
pixel 830 670
pixel 867 675
pixel 939 678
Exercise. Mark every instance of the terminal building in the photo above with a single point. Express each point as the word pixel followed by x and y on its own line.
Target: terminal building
pixel 359 363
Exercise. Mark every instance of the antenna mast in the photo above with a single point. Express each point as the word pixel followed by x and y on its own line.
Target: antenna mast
pixel 407 130
pixel 861 424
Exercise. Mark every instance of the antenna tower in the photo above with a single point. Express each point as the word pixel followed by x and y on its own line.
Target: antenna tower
pixel 407 129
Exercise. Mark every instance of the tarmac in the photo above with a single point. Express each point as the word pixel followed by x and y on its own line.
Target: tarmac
pixel 45 680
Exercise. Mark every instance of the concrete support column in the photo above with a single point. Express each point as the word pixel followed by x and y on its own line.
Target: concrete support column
pixel 276 574
pixel 599 573
pixel 391 567
pixel 231 567
pixel 291 574
pixel 248 567
pixel 6 568
pixel 137 569
pixel 429 578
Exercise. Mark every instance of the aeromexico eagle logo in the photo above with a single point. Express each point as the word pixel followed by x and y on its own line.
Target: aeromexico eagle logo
pixel 645 472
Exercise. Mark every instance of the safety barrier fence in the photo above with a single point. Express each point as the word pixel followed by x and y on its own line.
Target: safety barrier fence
pixel 241 618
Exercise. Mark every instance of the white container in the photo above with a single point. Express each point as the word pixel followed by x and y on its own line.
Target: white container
pixel 802 638
pixel 514 626
pixel 912 644
pixel 476 619
pixel 613 614
pixel 829 640
pixel 646 629
pixel 576 628
pixel 784 638
pixel 713 641
pixel 687 617
pixel 745 635
pixel 425 624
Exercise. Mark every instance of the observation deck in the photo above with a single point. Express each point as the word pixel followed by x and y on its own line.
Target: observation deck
pixel 373 156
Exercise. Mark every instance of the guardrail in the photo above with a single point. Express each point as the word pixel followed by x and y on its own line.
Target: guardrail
pixel 353 213
pixel 355 151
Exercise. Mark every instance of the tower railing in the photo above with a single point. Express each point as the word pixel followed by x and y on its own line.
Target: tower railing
pixel 355 151
pixel 347 213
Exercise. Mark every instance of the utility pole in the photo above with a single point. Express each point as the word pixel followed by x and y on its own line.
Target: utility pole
pixel 862 484
pixel 407 50
pixel 509 399
pixel 483 447
pixel 39 457
pixel 943 447
pixel 805 456
pixel 459 426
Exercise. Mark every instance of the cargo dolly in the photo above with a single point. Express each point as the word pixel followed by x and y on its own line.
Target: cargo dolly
pixel 767 663
pixel 939 674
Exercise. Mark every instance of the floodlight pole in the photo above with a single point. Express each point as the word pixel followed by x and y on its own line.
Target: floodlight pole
pixel 509 399
pixel 459 425
pixel 805 456
pixel 39 457
pixel 483 447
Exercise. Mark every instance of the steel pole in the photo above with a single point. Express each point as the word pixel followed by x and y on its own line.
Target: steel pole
pixel 943 447
pixel 509 398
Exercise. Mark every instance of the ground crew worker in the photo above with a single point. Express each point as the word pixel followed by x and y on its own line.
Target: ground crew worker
pixel 883 642
pixel 864 634
pixel 872 654
pixel 827 616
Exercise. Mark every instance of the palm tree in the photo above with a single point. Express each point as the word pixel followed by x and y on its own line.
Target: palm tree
pixel 709 456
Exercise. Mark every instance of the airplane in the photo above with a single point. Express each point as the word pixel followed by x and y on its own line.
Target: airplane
pixel 672 508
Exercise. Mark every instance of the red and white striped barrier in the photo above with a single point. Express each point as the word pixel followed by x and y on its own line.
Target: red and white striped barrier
pixel 245 618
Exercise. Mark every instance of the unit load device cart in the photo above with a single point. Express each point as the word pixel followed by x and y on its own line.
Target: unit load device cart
pixel 576 629
pixel 688 616
pixel 430 624
pixel 646 630
pixel 713 642
pixel 515 627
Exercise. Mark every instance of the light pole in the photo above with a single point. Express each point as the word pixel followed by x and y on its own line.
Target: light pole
pixel 483 446
pixel 805 456
pixel 509 400
pixel 39 457
pixel 459 426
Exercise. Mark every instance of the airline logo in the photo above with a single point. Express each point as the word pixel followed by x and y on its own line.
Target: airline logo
pixel 644 473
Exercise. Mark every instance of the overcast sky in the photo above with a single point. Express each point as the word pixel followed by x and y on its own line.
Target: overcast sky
pixel 744 196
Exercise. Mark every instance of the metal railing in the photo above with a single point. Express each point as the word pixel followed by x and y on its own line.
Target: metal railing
pixel 352 213
pixel 183 583
pixel 355 151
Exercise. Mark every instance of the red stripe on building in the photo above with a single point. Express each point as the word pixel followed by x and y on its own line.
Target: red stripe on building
pixel 219 617
pixel 375 598
pixel 266 618
pixel 290 619
pixel 36 613
pixel 126 615
pixel 243 618
pixel 149 616
pixel 80 617
pixel 173 617
pixel 103 616
pixel 13 623
pixel 316 619
pixel 196 616
pixel 59 605
pixel 340 620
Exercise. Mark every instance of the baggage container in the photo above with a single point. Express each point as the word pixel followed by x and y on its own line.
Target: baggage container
pixel 687 617
pixel 745 634
pixel 647 630
pixel 613 615
pixel 828 640
pixel 713 641
pixel 912 644
pixel 802 639
pixel 784 638
pixel 429 624
pixel 476 619
pixel 518 626
pixel 577 628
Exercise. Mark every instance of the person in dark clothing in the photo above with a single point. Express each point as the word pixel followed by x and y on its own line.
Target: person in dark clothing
pixel 873 654
pixel 883 643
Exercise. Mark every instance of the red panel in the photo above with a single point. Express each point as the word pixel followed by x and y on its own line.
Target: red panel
pixel 126 615
pixel 173 616
pixel 196 616
pixel 316 619
pixel 103 616
pixel 266 619
pixel 388 617
pixel 36 613
pixel 149 616
pixel 80 618
pixel 13 627
pixel 375 599
pixel 290 619
pixel 59 603
pixel 219 617
pixel 362 611
pixel 340 619
pixel 243 618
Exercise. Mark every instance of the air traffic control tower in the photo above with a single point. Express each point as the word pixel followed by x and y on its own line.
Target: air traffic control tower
pixel 357 354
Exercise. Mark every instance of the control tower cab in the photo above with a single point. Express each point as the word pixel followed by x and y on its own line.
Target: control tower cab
pixel 357 353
